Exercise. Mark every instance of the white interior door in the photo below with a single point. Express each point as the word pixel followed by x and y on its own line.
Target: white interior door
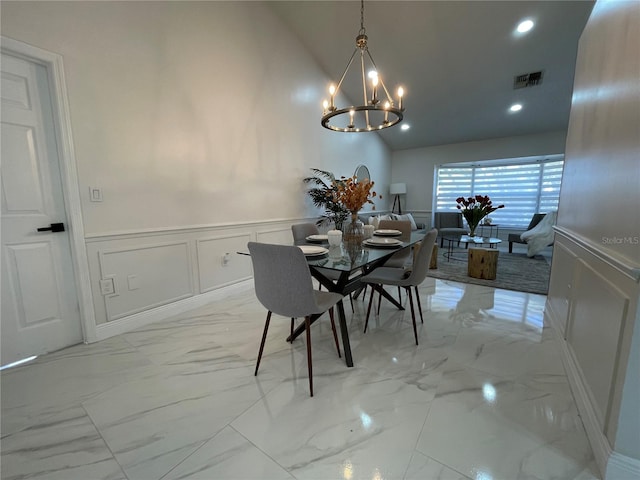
pixel 40 310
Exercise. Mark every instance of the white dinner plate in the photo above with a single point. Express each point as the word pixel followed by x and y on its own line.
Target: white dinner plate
pixel 387 233
pixel 382 242
pixel 311 250
pixel 318 238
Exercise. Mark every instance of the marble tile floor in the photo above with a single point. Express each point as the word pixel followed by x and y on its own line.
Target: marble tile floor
pixel 484 397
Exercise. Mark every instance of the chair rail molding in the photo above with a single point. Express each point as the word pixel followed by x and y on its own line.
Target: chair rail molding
pixel 621 264
pixel 147 232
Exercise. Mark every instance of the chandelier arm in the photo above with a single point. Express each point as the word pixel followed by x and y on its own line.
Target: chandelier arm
pixel 346 69
pixel 384 87
pixel 364 88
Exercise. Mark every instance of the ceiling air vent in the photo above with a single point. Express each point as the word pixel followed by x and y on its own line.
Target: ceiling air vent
pixel 527 80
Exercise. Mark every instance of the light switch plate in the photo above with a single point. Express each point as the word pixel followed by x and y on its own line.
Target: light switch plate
pixel 107 286
pixel 95 194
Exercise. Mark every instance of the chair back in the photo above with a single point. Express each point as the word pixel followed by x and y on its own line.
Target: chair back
pixel 447 220
pixel 282 279
pixel 422 258
pixel 403 225
pixel 535 220
pixel 301 231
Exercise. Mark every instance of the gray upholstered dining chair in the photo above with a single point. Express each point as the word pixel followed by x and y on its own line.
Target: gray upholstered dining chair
pixel 394 276
pixel 402 258
pixel 301 231
pixel 283 286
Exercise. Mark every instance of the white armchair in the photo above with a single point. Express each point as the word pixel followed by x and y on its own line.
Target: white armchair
pixel 541 235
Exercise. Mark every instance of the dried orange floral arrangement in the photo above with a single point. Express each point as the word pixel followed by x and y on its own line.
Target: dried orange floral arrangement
pixel 353 194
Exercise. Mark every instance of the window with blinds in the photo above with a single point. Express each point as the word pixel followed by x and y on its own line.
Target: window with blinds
pixel 524 187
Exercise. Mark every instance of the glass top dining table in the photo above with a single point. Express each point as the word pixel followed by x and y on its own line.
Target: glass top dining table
pixel 352 264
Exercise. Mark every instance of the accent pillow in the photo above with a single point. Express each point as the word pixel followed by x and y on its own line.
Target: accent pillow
pixel 375 220
pixel 407 217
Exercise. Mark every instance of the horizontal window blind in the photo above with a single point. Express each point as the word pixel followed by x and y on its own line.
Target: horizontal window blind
pixel 524 188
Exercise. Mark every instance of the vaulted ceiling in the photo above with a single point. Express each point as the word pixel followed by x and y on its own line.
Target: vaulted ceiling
pixel 456 61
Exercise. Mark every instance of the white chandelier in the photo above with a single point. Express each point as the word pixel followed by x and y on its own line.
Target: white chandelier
pixel 375 113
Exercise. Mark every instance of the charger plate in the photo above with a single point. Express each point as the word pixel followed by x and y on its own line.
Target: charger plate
pixel 312 251
pixel 387 233
pixel 318 238
pixel 382 242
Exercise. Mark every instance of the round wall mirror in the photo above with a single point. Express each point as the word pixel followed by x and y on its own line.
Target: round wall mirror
pixel 362 172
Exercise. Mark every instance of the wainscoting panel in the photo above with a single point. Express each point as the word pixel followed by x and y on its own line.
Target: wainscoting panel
pixel 593 305
pixel 561 283
pixel 219 264
pixel 159 270
pixel 281 236
pixel 145 277
pixel 598 315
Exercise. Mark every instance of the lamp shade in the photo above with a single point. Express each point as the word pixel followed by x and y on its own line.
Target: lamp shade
pixel 397 188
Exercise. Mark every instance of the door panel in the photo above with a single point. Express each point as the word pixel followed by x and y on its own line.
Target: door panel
pixel 22 189
pixel 40 310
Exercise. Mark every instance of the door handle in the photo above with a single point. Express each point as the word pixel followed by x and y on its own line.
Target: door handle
pixel 54 227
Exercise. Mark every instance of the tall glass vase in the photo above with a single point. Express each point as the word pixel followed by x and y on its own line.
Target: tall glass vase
pixel 473 219
pixel 353 232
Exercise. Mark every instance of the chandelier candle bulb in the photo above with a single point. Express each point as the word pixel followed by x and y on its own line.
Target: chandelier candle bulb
pixel 332 92
pixel 374 97
pixel 400 94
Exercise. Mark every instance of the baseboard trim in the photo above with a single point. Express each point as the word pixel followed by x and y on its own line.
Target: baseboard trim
pixel 137 320
pixel 621 467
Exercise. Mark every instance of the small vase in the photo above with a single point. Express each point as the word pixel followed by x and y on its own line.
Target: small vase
pixel 353 233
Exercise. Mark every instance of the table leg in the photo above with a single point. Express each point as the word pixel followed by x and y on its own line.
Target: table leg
pixel 346 345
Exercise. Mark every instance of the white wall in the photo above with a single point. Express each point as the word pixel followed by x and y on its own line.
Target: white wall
pixel 595 280
pixel 416 167
pixel 198 121
pixel 189 113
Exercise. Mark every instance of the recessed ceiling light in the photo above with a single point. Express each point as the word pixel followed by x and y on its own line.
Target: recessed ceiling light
pixel 525 26
pixel 405 127
pixel 516 107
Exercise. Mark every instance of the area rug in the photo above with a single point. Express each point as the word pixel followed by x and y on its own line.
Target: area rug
pixel 515 271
